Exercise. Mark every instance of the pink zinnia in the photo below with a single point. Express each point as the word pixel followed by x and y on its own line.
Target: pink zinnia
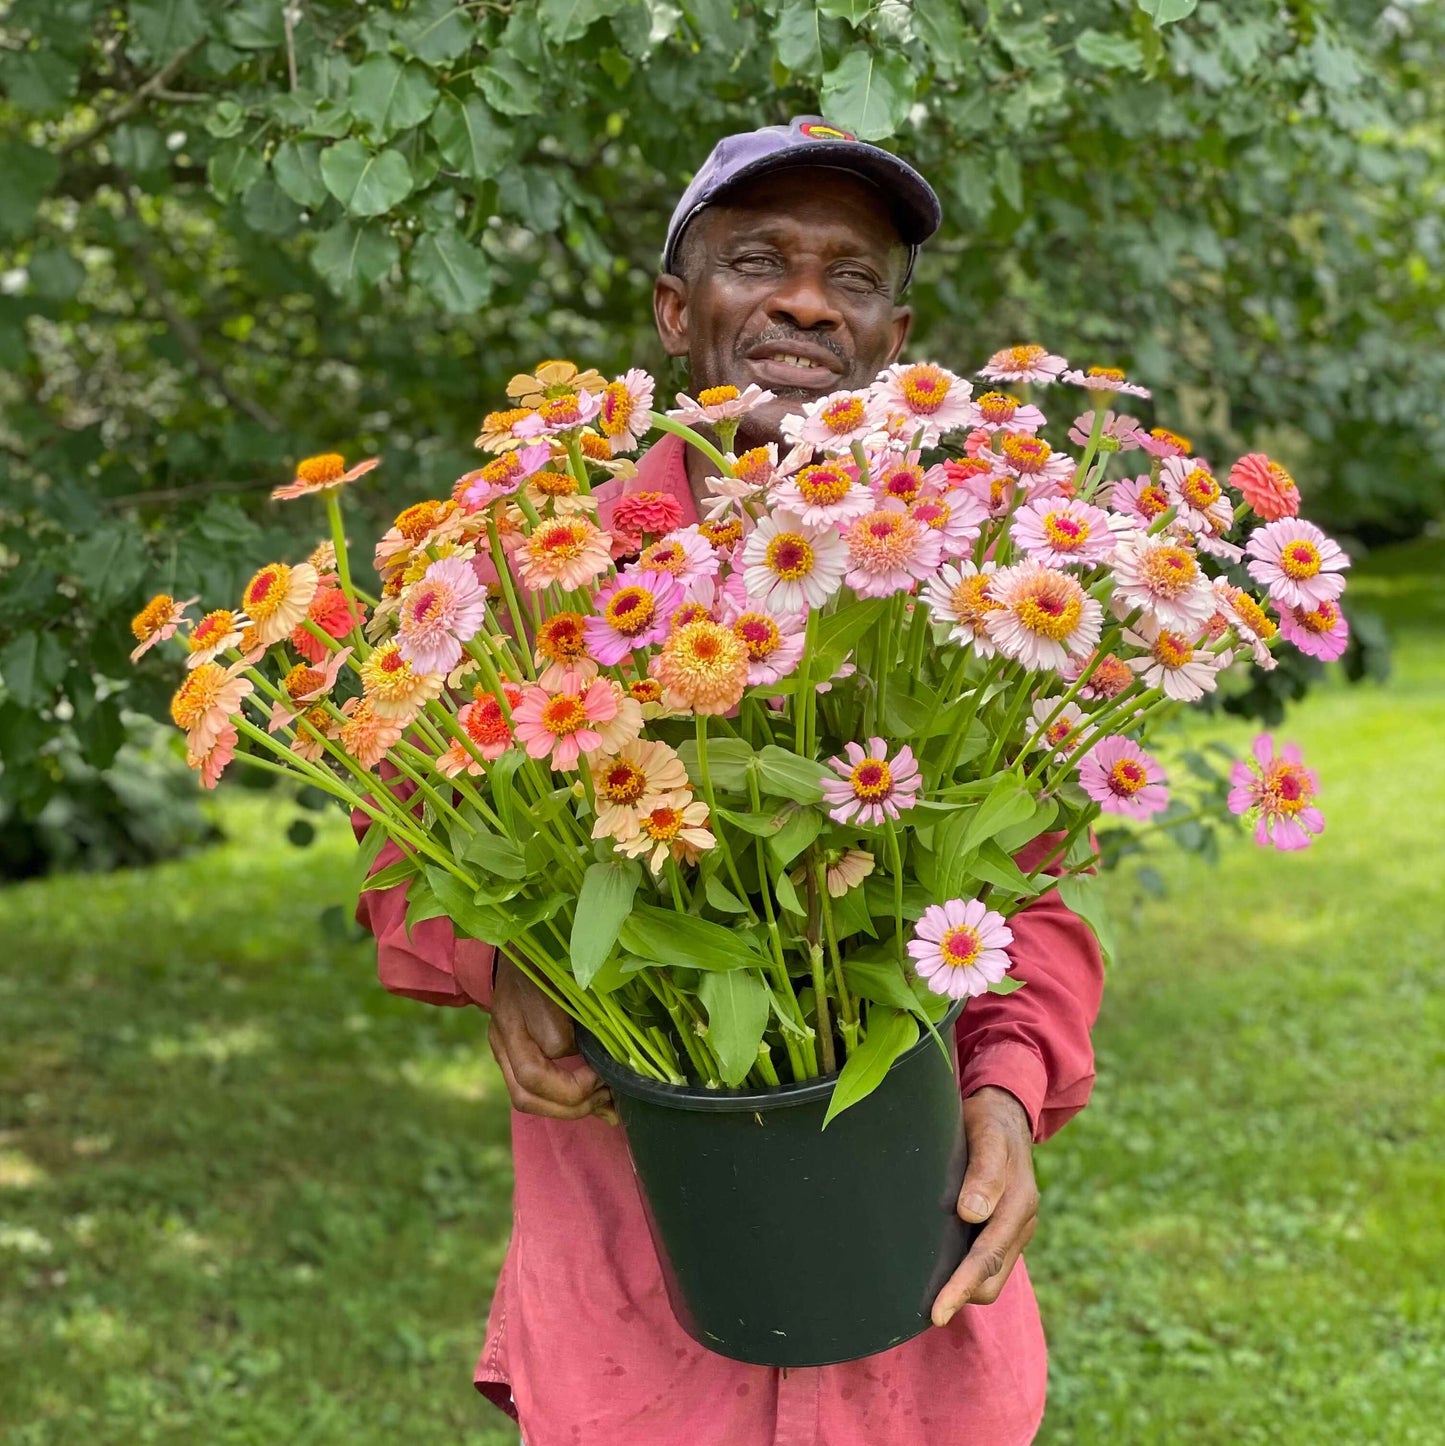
pixel 774 644
pixel 959 596
pixel 1119 434
pixel 1105 379
pixel 869 788
pixel 1320 632
pixel 1161 442
pixel 1003 409
pixel 718 404
pixel 634 610
pixel 1031 363
pixel 1042 616
pixel 626 412
pixel 210 759
pixel 684 554
pixel 1299 565
pixel 960 947
pixel 556 415
pixel 927 396
pixel 1121 778
pixel 1030 459
pixel 439 612
pixel 1172 661
pixel 1063 532
pixel 957 518
pixel 1276 792
pixel 1141 498
pixel 835 421
pixel 827 493
pixel 563 726
pixel 1266 486
pixel 1192 488
pixel 889 551
pixel 501 477
pixel 570 551
pixel 1164 578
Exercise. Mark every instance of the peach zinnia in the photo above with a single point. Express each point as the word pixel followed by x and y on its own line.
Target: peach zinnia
pixel 1042 617
pixel 276 599
pixel 570 551
pixel 1029 363
pixel 631 782
pixel 676 827
pixel 703 667
pixel 213 634
pixel 323 473
pixel 205 702
pixel 394 687
pixel 157 622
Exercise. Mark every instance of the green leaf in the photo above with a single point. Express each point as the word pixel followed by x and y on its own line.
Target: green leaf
pixel 269 210
pixel 532 196
pixel 851 916
pixel 564 21
pixel 31 666
pixel 839 632
pixel 255 24
pixel 55 275
pixel 788 776
pixel 366 183
pixel 1016 835
pixel 26 174
pixel 941 28
pixel 352 257
pixel 853 11
pixel 760 825
pixel 874 974
pixel 603 902
pixel 166 26
pixel 470 137
pixel 1112 52
pixel 799 828
pixel 799 36
pixel 436 31
pixel 1084 895
pixel 110 564
pixel 727 761
pixel 476 921
pixel 1007 985
pixel 737 1015
pixel 684 939
pixel 496 855
pixel 399 872
pixel 388 96
pixel 722 898
pixel 100 733
pixel 891 1033
pixel 869 94
pixel 509 87
pixel 787 892
pixel 1166 12
pixel 452 271
pixel 1008 178
pixel 297 168
pixel 995 866
pixel 38 82
pixel 233 167
pixel 1008 804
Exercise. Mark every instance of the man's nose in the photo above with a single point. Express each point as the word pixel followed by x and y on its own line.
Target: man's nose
pixel 803 299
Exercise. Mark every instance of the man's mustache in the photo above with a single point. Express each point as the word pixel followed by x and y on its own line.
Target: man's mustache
pixel 773 334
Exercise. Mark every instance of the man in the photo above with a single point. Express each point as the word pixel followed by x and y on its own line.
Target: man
pixel 784 265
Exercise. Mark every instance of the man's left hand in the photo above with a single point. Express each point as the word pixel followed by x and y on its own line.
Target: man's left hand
pixel 998 1187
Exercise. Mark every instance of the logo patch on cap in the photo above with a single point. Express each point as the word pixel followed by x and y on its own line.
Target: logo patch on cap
pixel 824 133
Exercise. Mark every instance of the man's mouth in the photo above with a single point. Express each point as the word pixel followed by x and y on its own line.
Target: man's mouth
pixel 788 366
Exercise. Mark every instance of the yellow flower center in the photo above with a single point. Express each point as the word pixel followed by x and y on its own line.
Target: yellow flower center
pixel 1021 358
pixel 555 484
pixel 1300 559
pixel 1163 434
pixel 303 679
pixel 723 535
pixel 1052 608
pixel 689 612
pixel 715 396
pixel 560 639
pixel 760 635
pixel 1170 570
pixel 152 617
pixel 925 387
pixel 1288 788
pixel 1199 489
pixel 630 610
pixel 623 783
pixel 903 481
pixel 617 409
pixel 1256 619
pixel 197 695
pixel 500 423
pixel 1065 531
pixel 790 556
pixel 211 629
pixel 266 592
pixel 564 714
pixel 416 521
pixel 1323 619
pixel 562 540
pixel 1025 453
pixel 1282 478
pixel 663 824
pixel 387 674
pixel 1106 374
pixel 754 466
pixel 844 415
pixel 1153 500
pixel 646 690
pixel 822 486
pixel 931 513
pixel 706 650
pixel 1127 777
pixel 871 779
pixel 1171 650
pixel 564 410
pixel 960 946
pixel 970 600
pixel 997 407
pixel 317 471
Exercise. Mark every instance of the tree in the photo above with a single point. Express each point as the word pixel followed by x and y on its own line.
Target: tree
pixel 232 234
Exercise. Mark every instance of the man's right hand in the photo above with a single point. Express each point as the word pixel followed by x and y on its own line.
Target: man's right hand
pixel 528 1032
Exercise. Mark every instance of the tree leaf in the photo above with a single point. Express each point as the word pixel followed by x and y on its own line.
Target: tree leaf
pixel 1112 52
pixel 451 270
pixel 269 210
pixel 470 137
pixel 352 257
pixel 100 733
pixel 388 96
pixel 111 563
pixel 234 166
pixel 297 168
pixel 255 24
pixel 673 938
pixel 853 11
pixel 1166 12
pixel 366 184
pixel 166 26
pixel 509 86
pixel 603 902
pixel 891 1033
pixel 941 27
pixel 436 31
pixel 799 36
pixel 1083 894
pixel 31 666
pixel 564 21
pixel 869 94
pixel 737 1015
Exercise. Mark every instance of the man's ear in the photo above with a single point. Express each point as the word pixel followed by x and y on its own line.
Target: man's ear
pixel 902 325
pixel 669 310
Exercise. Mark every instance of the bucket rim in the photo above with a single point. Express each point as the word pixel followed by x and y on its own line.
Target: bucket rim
pixel 620 1077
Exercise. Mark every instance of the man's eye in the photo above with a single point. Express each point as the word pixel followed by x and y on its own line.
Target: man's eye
pixel 861 280
pixel 755 261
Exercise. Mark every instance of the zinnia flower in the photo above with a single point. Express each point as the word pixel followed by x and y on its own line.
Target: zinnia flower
pixel 276 599
pixel 569 411
pixel 1251 624
pixel 789 566
pixel 213 634
pixel 1192 488
pixel 889 551
pixel 442 610
pixel 331 612
pixel 1161 442
pixel 1320 632
pixel 486 728
pixel 644 513
pixel 1299 565
pixel 718 404
pixel 501 476
pixel 774 644
pixel 626 411
pixel 210 761
pixel 1042 616
pixel 1266 486
pixel 634 610
pixel 632 782
pixel 677 826
pixel 1141 498
pixel 1121 778
pixel 828 494
pixel 1056 733
pixel 684 554
pixel 899 478
pixel 959 596
pixel 869 788
pixel 722 535
pixel 395 687
pixel 1030 459
pixel 1106 379
pixel 1002 409
pixel 552 379
pixel 1276 792
pixel 1108 675
pixel 957 519
pixel 834 422
pixel 960 948
pixel 1063 532
pixel 562 648
pixel 1162 577
pixel 324 473
pixel 303 685
pixel 928 396
pixel 846 871
pixel 313 728
pixel 570 551
pixel 1119 433
pixel 157 622
pixel 367 736
pixel 206 700
pixel 563 726
pixel 1031 363
pixel 703 666
pixel 1171 662
pixel 497 434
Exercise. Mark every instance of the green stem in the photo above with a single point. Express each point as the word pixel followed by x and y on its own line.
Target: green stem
pixel 667 424
pixel 704 774
pixel 803 698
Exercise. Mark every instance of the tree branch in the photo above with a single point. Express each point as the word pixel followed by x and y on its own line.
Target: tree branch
pixel 157 496
pixel 132 103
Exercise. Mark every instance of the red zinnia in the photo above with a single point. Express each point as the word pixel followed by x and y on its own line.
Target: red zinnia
pixel 331 613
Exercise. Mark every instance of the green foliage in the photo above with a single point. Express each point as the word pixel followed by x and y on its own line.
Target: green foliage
pixel 227 241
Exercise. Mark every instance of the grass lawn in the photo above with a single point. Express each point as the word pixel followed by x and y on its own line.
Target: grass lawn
pixel 245 1197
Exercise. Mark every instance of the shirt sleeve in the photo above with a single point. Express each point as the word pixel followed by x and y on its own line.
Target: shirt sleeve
pixel 1035 1041
pixel 427 962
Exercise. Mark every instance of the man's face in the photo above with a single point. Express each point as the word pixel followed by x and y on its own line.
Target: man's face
pixel 789 285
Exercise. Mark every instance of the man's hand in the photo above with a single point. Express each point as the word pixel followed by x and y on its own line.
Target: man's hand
pixel 999 1187
pixel 527 1033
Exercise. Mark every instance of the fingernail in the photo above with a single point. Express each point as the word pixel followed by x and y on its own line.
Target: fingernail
pixel 975 1204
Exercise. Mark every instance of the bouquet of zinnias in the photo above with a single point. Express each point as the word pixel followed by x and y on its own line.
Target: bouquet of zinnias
pixel 748 796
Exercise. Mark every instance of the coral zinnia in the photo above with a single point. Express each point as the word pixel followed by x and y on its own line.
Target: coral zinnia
pixel 1266 486
pixel 1030 363
pixel 206 700
pixel 889 551
pixel 960 948
pixel 570 551
pixel 331 612
pixel 323 473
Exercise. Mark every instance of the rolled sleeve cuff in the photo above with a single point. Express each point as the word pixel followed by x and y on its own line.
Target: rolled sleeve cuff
pixel 1012 1066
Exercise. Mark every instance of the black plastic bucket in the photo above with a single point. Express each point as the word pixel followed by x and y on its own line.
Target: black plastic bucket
pixel 784 1244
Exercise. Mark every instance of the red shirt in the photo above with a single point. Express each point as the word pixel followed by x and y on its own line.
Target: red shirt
pixel 581 1344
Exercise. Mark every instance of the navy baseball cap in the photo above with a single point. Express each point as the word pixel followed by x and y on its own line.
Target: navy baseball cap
pixel 808 140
